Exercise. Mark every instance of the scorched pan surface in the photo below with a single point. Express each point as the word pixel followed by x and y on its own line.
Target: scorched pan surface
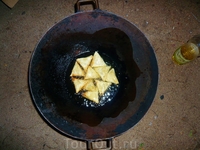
pixel 122 45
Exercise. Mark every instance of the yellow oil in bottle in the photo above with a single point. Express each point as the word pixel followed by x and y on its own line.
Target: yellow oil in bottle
pixel 185 53
pixel 188 51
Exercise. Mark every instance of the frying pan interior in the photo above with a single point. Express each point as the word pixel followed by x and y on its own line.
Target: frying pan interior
pixel 122 46
pixel 60 59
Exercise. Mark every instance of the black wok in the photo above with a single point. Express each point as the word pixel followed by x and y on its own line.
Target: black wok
pixel 122 45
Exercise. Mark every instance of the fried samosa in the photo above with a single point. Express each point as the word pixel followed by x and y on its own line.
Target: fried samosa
pixel 91 95
pixel 77 71
pixel 89 86
pixel 111 77
pixel 102 86
pixel 78 84
pixel 85 62
pixel 97 60
pixel 91 74
pixel 102 71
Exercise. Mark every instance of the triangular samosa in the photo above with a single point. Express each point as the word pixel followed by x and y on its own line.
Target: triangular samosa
pixel 102 71
pixel 77 71
pixel 91 74
pixel 85 61
pixel 102 86
pixel 111 77
pixel 89 86
pixel 78 83
pixel 91 95
pixel 97 60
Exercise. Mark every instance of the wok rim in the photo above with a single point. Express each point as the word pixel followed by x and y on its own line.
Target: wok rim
pixel 155 79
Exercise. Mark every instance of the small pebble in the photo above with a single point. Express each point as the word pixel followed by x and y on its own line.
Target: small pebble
pixel 23 12
pixel 162 97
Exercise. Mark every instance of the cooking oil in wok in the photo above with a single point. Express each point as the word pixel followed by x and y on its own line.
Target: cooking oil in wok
pixel 105 98
pixel 109 94
pixel 73 107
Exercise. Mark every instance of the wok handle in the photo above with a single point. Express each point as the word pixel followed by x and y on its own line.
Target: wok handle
pixel 78 4
pixel 109 145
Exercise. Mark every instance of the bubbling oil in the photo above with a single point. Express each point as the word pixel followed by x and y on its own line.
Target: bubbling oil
pixel 103 99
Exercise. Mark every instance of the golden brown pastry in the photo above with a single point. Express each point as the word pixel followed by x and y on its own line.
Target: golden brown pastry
pixel 78 84
pixel 91 74
pixel 111 77
pixel 97 61
pixel 89 86
pixel 92 77
pixel 91 95
pixel 77 71
pixel 85 62
pixel 102 71
pixel 102 86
